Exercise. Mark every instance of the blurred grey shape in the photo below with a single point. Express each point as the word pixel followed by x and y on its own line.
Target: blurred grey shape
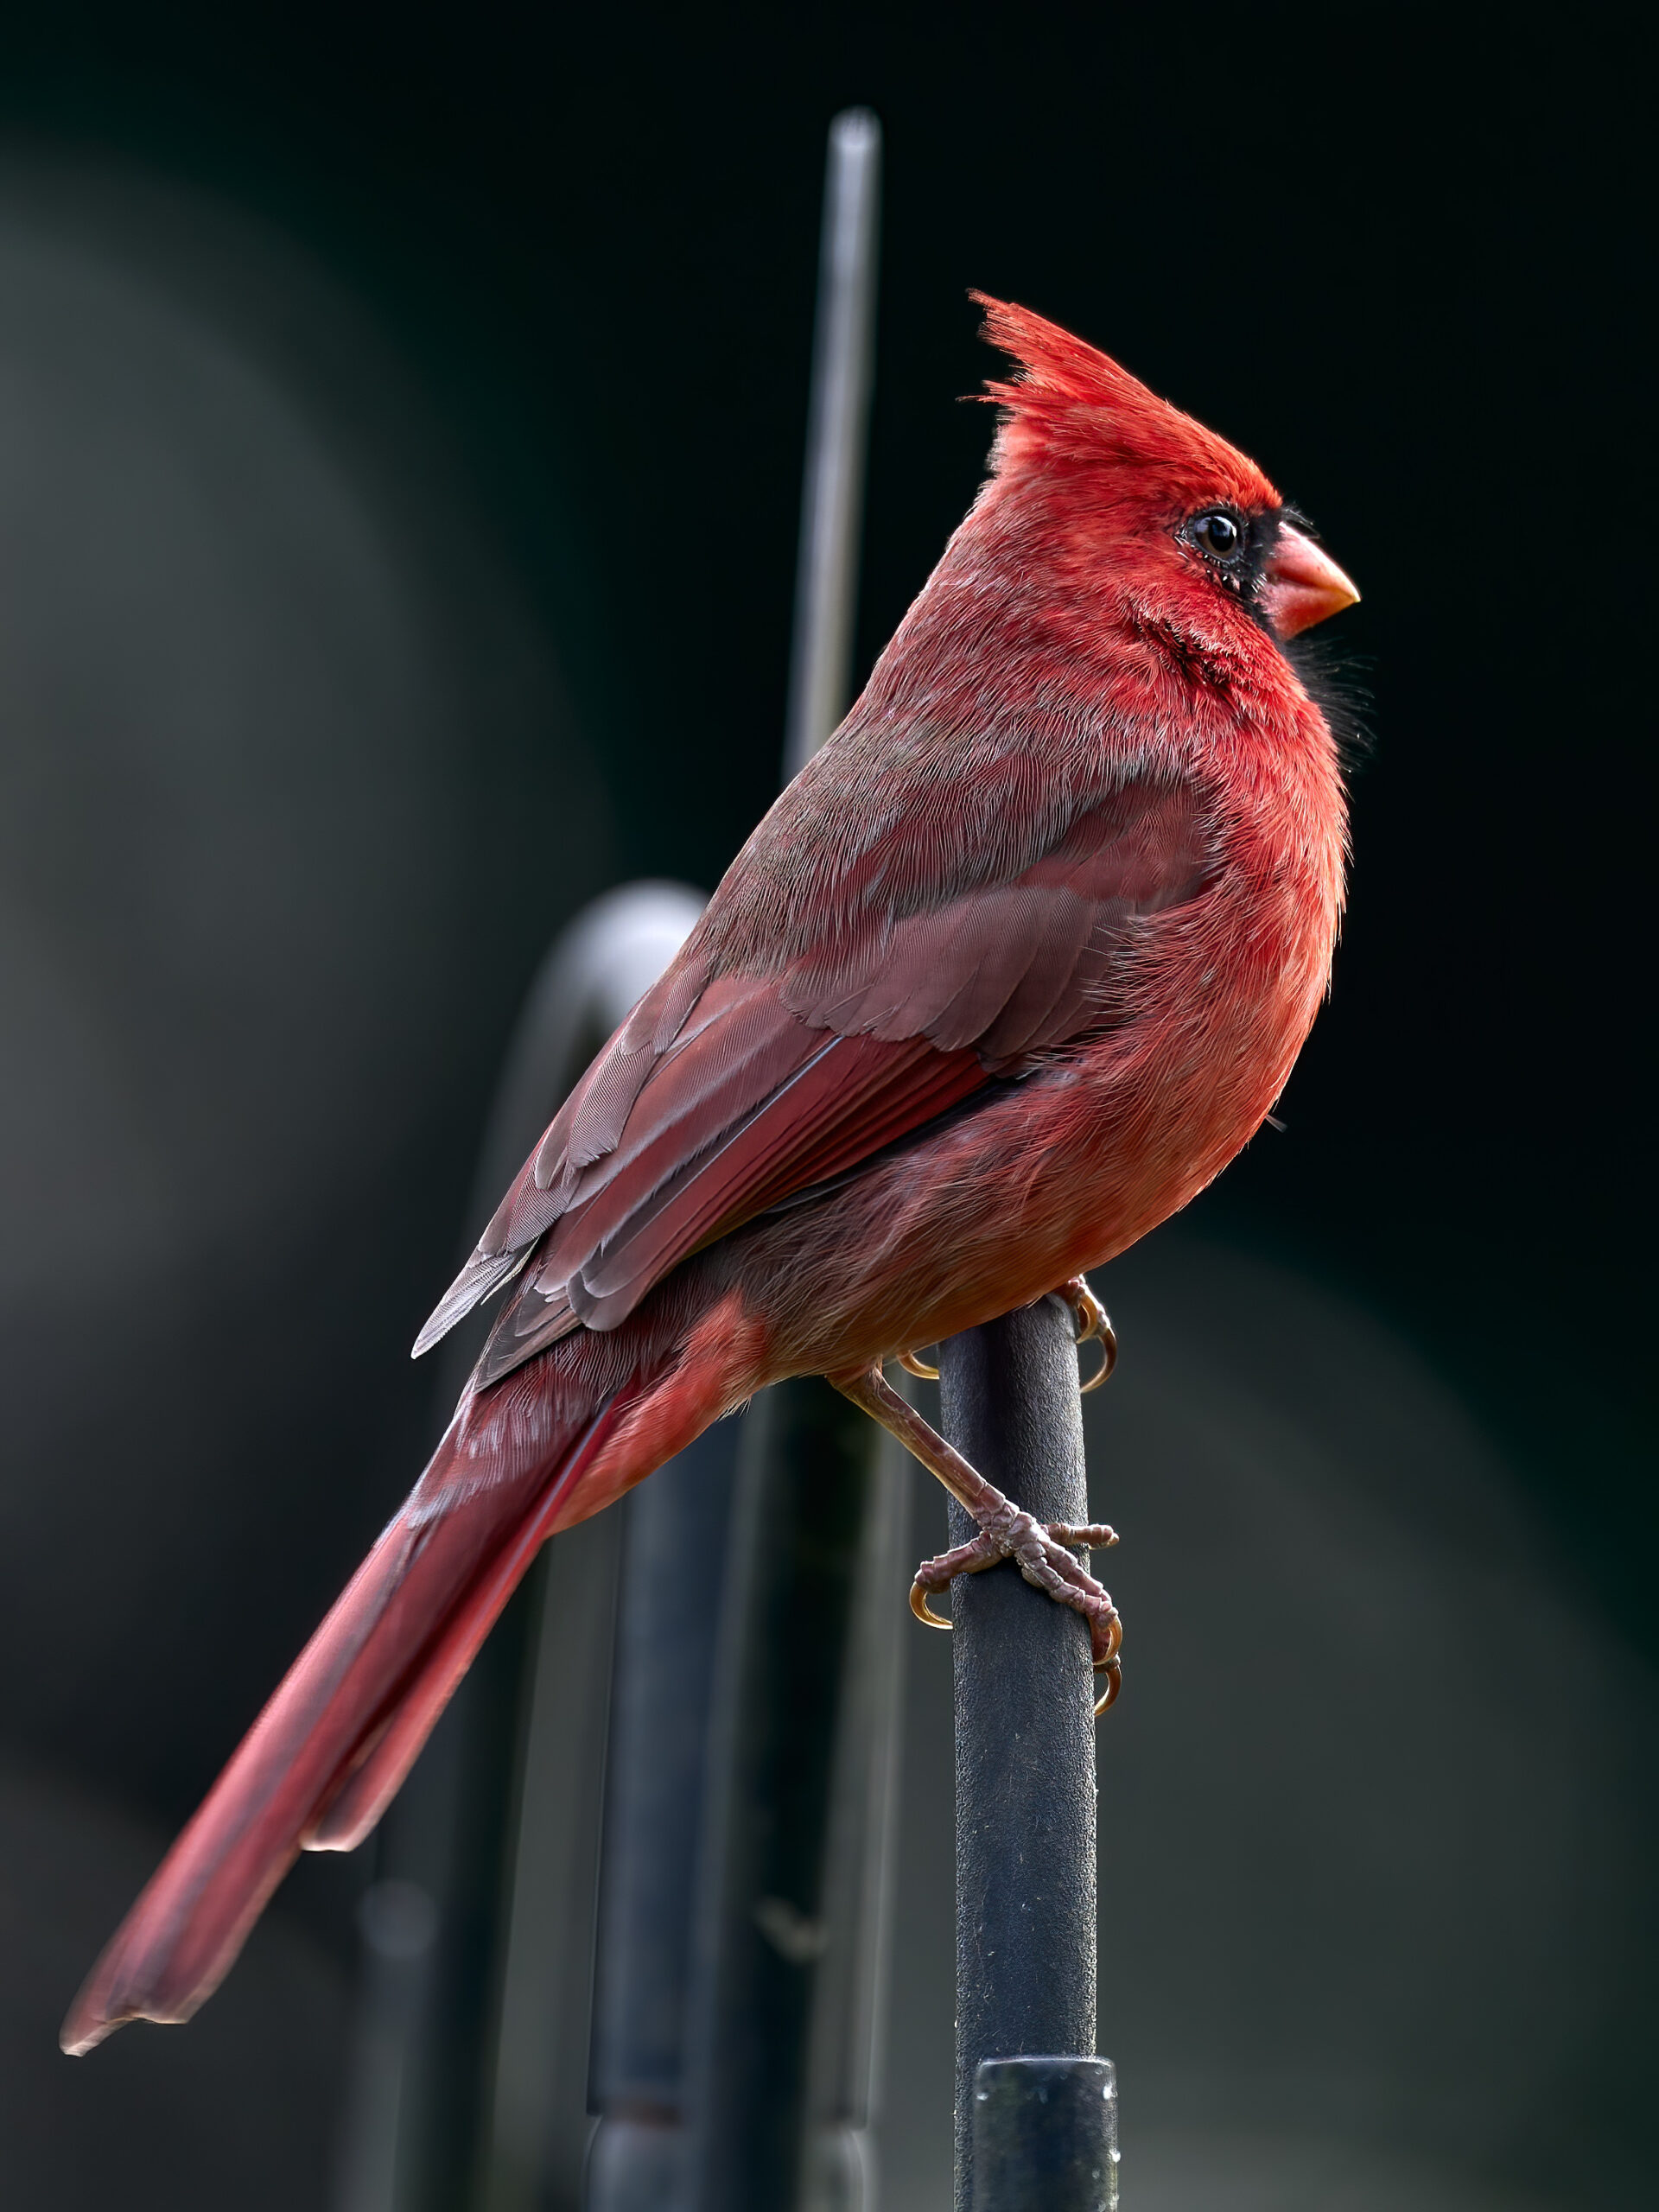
pixel 471 2070
pixel 832 495
pixel 267 687
pixel 399 1920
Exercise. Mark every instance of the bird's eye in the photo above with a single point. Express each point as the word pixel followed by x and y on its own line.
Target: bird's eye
pixel 1219 534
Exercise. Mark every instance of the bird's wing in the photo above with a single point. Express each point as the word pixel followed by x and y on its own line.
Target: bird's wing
pixel 725 1092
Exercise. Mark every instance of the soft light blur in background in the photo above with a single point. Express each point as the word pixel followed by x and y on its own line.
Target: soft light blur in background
pixel 401 417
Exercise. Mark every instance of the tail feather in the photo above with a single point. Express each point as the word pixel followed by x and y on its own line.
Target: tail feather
pixel 319 1765
pixel 356 1811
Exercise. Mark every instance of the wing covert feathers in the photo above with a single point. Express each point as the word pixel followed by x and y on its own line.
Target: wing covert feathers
pixel 730 1091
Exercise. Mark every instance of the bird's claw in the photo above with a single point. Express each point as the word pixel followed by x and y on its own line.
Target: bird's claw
pixel 1045 1557
pixel 919 1607
pixel 1091 1324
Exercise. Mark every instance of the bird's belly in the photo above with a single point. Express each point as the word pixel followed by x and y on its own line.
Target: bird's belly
pixel 1053 1176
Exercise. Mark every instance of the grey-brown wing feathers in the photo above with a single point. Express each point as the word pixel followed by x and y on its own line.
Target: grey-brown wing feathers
pixel 728 1091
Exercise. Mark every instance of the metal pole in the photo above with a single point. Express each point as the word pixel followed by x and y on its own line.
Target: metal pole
pixel 674 1581
pixel 787 1976
pixel 1045 2135
pixel 832 493
pixel 469 2083
pixel 778 1933
pixel 537 2129
pixel 765 2039
pixel 433 2124
pixel 1025 1733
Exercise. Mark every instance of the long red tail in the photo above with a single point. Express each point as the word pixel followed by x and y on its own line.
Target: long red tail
pixel 323 1759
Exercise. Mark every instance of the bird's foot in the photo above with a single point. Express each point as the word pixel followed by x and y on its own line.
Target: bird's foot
pixel 1091 1324
pixel 1042 1554
pixel 1046 1558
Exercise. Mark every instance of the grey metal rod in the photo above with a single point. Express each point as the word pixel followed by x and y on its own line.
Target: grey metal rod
pixel 674 1546
pixel 789 1969
pixel 1045 2135
pixel 832 492
pixel 528 2144
pixel 1024 1719
pixel 474 2003
pixel 772 1942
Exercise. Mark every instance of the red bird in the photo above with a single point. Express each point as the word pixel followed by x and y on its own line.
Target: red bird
pixel 1010 972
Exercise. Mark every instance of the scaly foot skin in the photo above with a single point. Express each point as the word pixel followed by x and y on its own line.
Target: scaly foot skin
pixel 1006 1532
pixel 1045 1559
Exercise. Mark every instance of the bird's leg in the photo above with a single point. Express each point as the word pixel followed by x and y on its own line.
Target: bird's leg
pixel 1005 1532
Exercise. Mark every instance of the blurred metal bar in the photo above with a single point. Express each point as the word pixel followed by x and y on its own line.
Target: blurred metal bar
pixel 469 2080
pixel 832 492
pixel 535 2139
pixel 531 2061
pixel 1045 2135
pixel 851 1998
pixel 1025 1727
pixel 398 1922
pixel 474 2087
pixel 418 2116
pixel 789 1960
pixel 676 1545
pixel 789 1971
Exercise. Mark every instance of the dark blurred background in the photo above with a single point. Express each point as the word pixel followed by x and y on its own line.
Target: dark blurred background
pixel 401 417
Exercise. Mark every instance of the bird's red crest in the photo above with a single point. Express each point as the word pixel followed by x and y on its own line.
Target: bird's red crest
pixel 1067 394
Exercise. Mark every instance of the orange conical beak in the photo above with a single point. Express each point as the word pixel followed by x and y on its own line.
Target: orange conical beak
pixel 1300 585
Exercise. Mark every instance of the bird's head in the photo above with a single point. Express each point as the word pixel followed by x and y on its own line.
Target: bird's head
pixel 1123 490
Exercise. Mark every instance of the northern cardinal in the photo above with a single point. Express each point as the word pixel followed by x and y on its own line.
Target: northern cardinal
pixel 1009 972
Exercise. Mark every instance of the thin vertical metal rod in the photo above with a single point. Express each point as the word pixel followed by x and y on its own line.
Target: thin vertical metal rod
pixel 529 2144
pixel 832 492
pixel 1025 1803
pixel 787 1976
pixel 779 1934
pixel 535 2133
pixel 469 2085
pixel 676 1548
